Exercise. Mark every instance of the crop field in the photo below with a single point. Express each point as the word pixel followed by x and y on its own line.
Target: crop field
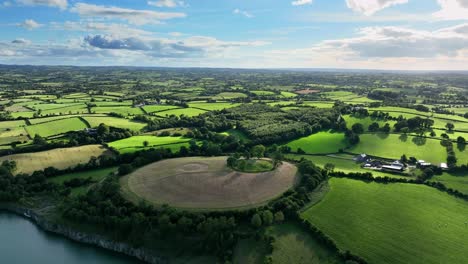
pixel 95 121
pixel 16 134
pixel 205 183
pixel 213 106
pixel 56 127
pixel 59 158
pixel 394 146
pixel 17 108
pixel 95 175
pixel 47 106
pixel 123 110
pixel 393 223
pixel 320 143
pixel 190 112
pixel 5 125
pixel 135 143
pixel 158 108
pixel 344 164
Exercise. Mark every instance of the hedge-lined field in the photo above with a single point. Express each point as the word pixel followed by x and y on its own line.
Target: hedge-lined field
pixel 95 121
pixel 56 127
pixel 59 158
pixel 393 223
pixel 320 143
pixel 135 143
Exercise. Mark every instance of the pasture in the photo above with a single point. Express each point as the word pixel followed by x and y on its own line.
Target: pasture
pixel 351 120
pixel 135 143
pixel 393 146
pixel 158 108
pixel 95 121
pixel 56 127
pixel 58 158
pixel 393 223
pixel 212 106
pixel 456 181
pixel 190 112
pixel 205 183
pixel 229 95
pixel 320 143
pixel 95 175
pixel 343 163
pixel 123 110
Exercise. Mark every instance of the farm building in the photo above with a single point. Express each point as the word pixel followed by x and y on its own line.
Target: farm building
pixel 423 164
pixel 443 166
pixel 361 158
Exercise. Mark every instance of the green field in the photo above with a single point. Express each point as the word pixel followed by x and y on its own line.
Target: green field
pixel 456 181
pixel 288 94
pixel 158 108
pixel 393 146
pixel 320 143
pixel 393 223
pixel 254 166
pixel 351 120
pixel 230 95
pixel 294 245
pixel 212 106
pixel 190 112
pixel 123 110
pixel 263 93
pixel 135 143
pixel 342 163
pixel 95 175
pixel 56 127
pixel 114 122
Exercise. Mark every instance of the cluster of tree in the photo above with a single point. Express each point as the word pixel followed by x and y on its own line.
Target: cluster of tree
pixel 451 157
pixel 385 95
pixel 416 124
pixel 14 188
pixel 352 137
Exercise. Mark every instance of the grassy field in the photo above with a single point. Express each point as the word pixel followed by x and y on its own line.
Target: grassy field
pixel 114 122
pixel 393 223
pixel 239 134
pixel 344 164
pixel 58 158
pixel 190 112
pixel 123 110
pixel 294 245
pixel 320 143
pixel 254 166
pixel 212 106
pixel 229 95
pixel 135 143
pixel 350 121
pixel 158 108
pixel 288 94
pixel 205 183
pixel 56 127
pixel 95 175
pixel 394 146
pixel 263 93
pixel 456 181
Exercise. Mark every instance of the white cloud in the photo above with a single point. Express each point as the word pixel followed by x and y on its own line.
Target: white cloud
pixel 6 4
pixel 62 4
pixel 452 10
pixel 98 27
pixel 237 11
pixel 301 2
pixel 29 24
pixel 168 3
pixel 369 7
pixel 134 16
pixel 21 41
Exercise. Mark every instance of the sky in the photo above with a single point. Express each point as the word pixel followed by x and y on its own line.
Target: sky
pixel 347 34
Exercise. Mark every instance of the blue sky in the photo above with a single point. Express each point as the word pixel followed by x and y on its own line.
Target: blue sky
pixel 356 34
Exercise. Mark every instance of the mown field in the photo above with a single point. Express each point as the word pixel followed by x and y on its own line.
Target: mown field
pixel 320 143
pixel 205 183
pixel 393 223
pixel 58 158
pixel 135 143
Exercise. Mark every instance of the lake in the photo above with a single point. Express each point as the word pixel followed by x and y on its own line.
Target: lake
pixel 22 242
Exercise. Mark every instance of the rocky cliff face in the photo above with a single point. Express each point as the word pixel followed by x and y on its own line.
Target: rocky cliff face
pixel 96 240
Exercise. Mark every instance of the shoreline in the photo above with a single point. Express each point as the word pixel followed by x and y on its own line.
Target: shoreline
pixel 85 238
